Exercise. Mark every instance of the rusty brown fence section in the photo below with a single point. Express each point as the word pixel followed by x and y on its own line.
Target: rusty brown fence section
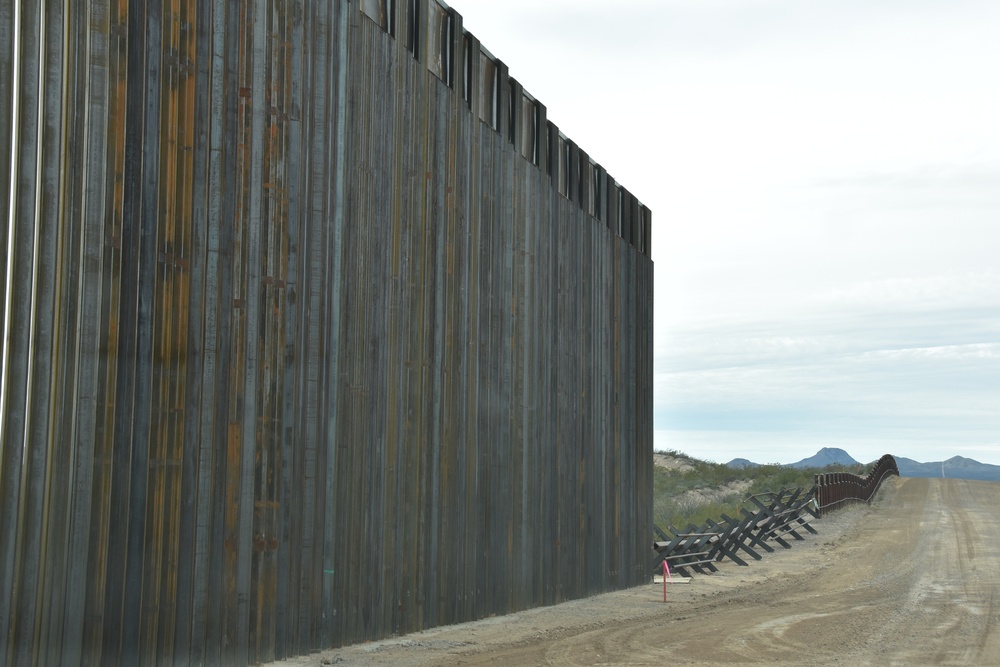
pixel 315 330
pixel 835 489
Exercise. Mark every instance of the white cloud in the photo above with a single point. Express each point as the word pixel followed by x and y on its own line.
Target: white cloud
pixel 981 288
pixel 977 351
pixel 825 185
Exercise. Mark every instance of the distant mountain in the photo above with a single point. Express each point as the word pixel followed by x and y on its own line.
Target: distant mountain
pixel 957 467
pixel 742 463
pixel 827 456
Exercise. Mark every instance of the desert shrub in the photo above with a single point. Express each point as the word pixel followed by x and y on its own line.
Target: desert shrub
pixel 672 507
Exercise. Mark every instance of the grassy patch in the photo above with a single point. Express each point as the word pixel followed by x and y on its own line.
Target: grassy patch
pixel 674 504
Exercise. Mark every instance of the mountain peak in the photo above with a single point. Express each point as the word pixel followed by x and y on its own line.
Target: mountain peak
pixel 962 461
pixel 742 463
pixel 833 451
pixel 827 456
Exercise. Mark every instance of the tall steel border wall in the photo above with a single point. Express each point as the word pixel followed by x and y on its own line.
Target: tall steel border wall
pixel 316 330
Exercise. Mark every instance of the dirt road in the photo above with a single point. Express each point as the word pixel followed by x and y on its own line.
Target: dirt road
pixel 912 580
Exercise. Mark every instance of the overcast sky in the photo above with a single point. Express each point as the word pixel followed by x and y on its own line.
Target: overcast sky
pixel 824 177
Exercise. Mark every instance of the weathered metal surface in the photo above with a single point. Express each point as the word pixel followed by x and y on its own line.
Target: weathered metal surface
pixel 836 488
pixel 298 350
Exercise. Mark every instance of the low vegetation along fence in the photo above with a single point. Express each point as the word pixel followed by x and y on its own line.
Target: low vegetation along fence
pixel 835 489
pixel 769 518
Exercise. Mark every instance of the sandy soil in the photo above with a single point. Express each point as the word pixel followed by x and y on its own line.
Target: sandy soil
pixel 671 462
pixel 698 497
pixel 912 580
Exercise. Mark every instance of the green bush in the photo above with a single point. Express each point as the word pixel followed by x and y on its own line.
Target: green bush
pixel 671 506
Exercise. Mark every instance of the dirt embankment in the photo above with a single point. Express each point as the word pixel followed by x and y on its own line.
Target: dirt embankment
pixel 913 580
pixel 671 462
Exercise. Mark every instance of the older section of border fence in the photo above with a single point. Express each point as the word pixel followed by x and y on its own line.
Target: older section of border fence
pixel 835 489
pixel 316 330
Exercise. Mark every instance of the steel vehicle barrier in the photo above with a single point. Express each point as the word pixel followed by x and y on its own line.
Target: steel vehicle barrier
pixel 774 517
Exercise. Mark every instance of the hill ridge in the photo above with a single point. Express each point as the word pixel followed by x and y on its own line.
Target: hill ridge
pixel 957 467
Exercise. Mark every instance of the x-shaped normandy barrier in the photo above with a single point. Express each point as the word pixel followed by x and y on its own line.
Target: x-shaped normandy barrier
pixel 775 516
pixel 770 517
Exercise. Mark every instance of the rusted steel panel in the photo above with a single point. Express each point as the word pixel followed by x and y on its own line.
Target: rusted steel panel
pixel 82 408
pixel 193 30
pixel 15 457
pixel 7 103
pixel 54 316
pixel 301 350
pixel 106 161
pixel 833 489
